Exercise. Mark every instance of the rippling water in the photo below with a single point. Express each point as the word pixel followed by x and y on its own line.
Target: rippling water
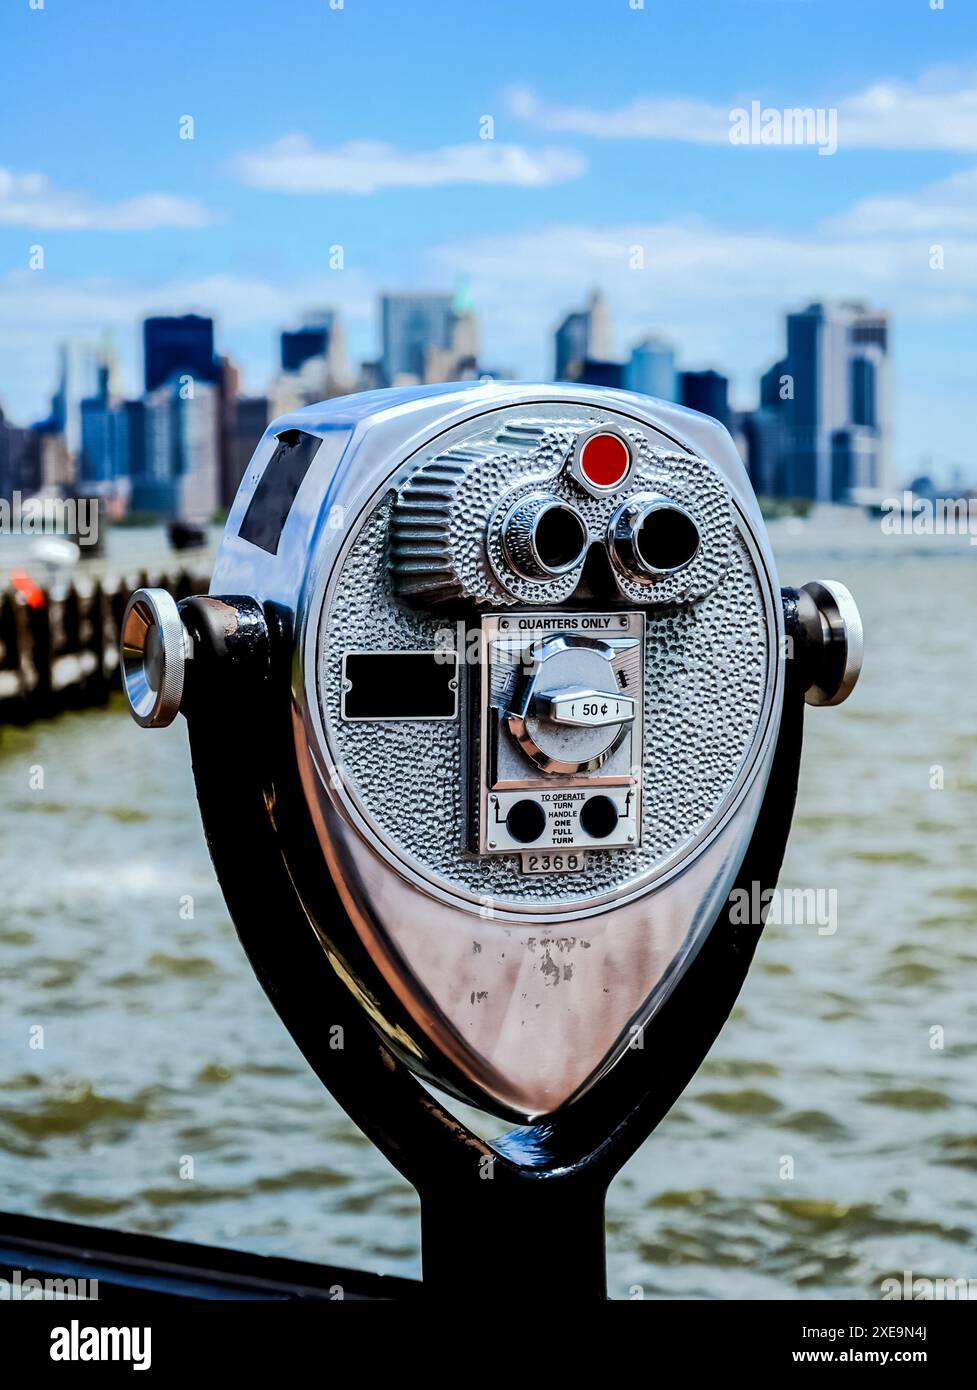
pixel 159 1046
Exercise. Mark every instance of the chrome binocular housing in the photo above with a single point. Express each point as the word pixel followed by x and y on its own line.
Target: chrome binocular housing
pixel 509 668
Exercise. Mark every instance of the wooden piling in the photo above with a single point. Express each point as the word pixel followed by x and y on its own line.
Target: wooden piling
pixel 61 652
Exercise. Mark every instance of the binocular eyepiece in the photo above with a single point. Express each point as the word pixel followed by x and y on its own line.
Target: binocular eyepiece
pixel 544 537
pixel 648 536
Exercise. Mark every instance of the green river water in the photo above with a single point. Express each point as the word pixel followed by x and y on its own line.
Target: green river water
pixel 160 1046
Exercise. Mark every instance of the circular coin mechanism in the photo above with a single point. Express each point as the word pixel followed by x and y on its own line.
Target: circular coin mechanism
pixel 570 713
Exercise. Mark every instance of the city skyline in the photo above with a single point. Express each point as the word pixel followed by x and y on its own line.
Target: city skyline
pixel 338 189
pixel 820 429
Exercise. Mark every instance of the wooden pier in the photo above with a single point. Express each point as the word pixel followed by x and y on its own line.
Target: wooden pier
pixel 61 651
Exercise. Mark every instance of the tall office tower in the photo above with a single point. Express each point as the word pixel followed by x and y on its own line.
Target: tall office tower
pixel 651 369
pixel 411 324
pixel 864 388
pixel 229 389
pixel 77 369
pixel 459 360
pixel 774 385
pixel 321 336
pixel 104 458
pixel 299 344
pixel 837 357
pixel 250 416
pixel 182 471
pixel 600 326
pixel 55 465
pixel 817 356
pixel 763 433
pixel 14 445
pixel 134 435
pixel 196 436
pixel 465 338
pixel 153 486
pixel 179 346
pixel 595 371
pixel 584 334
pixel 97 460
pixel 855 461
pixel 870 341
pixel 706 391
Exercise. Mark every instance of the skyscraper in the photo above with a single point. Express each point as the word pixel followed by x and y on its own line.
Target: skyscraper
pixel 182 452
pixel 320 336
pixel 77 367
pixel 864 389
pixel 14 446
pixel 459 361
pixel 411 324
pixel 196 436
pixel 95 464
pixel 583 335
pixel 836 413
pixel 706 391
pixel 250 416
pixel 595 371
pixel 299 344
pixel 651 369
pixel 179 346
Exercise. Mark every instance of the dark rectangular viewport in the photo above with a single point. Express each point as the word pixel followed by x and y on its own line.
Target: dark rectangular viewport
pixel 273 497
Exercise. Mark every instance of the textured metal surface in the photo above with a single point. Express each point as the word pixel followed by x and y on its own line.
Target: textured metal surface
pixel 438 548
pixel 706 672
pixel 517 991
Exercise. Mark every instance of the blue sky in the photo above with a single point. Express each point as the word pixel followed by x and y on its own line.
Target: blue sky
pixel 360 127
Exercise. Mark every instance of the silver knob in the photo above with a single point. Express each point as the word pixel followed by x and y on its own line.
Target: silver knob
pixel 153 648
pixel 565 718
pixel 584 708
pixel 832 628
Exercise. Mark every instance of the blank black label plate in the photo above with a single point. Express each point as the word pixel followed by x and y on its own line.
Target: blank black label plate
pixel 400 685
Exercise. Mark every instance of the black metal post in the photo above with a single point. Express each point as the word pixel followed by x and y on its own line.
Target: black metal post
pixel 522 1215
pixel 524 1237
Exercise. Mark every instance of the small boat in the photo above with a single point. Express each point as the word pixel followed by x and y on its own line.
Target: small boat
pixel 187 535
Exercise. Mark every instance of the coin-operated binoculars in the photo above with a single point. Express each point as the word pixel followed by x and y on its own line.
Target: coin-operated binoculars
pixel 494 701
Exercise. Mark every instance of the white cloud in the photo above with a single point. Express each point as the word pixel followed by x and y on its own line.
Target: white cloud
pixel 945 208
pixel 32 200
pixel 648 118
pixel 720 294
pixel 294 165
pixel 936 111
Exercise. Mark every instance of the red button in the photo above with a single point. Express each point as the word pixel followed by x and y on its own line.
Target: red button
pixel 604 460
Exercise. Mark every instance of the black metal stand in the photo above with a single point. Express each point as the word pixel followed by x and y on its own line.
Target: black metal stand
pixel 513 1235
pixel 520 1215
